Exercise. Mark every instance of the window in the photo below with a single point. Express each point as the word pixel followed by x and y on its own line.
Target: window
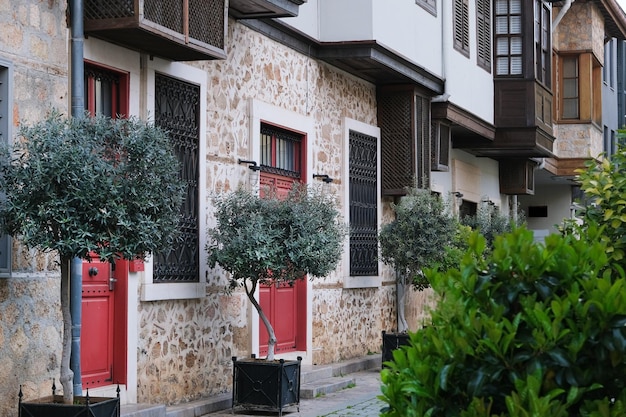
pixel 177 110
pixel 429 5
pixel 5 134
pixel 542 42
pixel 570 88
pixel 363 184
pixel 106 91
pixel 508 37
pixel 281 151
pixel 461 26
pixel 483 34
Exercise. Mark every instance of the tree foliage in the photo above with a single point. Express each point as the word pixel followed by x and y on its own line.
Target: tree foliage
pixel 421 236
pixel 82 185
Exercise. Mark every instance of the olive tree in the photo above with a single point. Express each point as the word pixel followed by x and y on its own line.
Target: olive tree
pixel 271 240
pixel 80 186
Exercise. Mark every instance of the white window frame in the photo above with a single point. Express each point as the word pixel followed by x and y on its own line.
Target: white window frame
pixel 150 291
pixel 374 131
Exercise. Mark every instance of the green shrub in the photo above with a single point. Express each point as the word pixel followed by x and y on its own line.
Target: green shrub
pixel 526 330
pixel 418 237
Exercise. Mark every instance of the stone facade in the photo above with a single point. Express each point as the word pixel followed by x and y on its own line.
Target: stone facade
pixel 185 347
pixel 573 32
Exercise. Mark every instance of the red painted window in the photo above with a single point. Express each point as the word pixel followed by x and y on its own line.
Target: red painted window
pixel 106 91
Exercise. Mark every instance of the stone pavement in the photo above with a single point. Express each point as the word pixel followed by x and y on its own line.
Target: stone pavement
pixel 357 401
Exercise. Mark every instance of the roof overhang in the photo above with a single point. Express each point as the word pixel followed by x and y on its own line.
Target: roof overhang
pixel 255 9
pixel 368 60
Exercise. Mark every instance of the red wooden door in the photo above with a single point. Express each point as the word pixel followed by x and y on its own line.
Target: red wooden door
pixel 96 356
pixel 284 305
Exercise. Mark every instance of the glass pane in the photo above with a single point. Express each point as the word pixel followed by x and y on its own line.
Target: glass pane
pixel 516 6
pixel 570 68
pixel 266 150
pixel 502 6
pixel 502 66
pixel 502 25
pixel 516 46
pixel 502 46
pixel 570 87
pixel 516 65
pixel 516 25
pixel 570 109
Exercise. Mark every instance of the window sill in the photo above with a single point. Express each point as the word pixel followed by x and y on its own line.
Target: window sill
pixel 173 291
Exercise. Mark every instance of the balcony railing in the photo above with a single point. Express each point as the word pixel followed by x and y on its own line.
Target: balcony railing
pixel 180 30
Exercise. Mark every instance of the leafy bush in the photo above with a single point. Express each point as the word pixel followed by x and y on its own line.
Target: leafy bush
pixel 418 237
pixel 527 330
pixel 490 221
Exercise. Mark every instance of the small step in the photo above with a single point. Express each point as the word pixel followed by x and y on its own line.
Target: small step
pixel 325 386
pixel 143 410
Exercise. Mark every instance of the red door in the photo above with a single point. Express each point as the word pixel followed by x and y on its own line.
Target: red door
pixel 284 305
pixel 103 327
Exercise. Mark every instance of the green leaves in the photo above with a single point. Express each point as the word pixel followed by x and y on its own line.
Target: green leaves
pixel 532 329
pixel 263 239
pixel 81 185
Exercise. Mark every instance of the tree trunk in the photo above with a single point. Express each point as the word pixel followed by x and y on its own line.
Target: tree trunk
pixel 66 373
pixel 271 343
pixel 401 297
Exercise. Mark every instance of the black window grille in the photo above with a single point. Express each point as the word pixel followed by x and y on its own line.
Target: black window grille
pixel 363 193
pixel 281 151
pixel 177 109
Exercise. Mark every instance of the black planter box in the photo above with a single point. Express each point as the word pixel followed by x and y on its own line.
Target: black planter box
pixel 266 385
pixel 53 406
pixel 391 342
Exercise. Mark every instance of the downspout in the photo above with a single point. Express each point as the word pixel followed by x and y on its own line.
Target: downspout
pixel 77 83
pixel 564 9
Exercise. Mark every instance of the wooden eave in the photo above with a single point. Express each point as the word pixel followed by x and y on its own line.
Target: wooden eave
pixel 365 59
pixel 614 18
pixel 467 128
pixel 256 9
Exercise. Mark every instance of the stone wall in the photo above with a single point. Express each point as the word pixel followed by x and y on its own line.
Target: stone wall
pixel 33 43
pixel 573 32
pixel 185 347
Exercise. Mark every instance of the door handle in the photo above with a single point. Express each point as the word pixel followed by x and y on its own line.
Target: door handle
pixel 112 282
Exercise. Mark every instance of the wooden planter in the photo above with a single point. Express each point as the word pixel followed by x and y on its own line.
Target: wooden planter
pixel 391 342
pixel 53 406
pixel 266 385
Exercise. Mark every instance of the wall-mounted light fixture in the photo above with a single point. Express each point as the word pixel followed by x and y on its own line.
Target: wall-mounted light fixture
pixel 458 194
pixel 323 177
pixel 251 164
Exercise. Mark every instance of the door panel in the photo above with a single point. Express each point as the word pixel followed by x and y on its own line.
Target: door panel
pixel 96 356
pixel 281 304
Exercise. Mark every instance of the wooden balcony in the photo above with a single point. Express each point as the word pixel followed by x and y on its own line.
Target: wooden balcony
pixel 180 30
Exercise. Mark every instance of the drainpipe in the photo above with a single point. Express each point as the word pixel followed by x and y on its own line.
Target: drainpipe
pixel 77 83
pixel 562 12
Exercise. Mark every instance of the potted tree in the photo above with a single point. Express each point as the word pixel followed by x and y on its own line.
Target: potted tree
pixel 424 234
pixel 89 187
pixel 273 241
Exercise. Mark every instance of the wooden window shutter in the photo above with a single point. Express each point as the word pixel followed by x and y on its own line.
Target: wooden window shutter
pixel 461 26
pixel 404 120
pixel 483 33
pixel 440 148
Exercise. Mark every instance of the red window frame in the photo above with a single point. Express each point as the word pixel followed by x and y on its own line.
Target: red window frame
pixel 119 89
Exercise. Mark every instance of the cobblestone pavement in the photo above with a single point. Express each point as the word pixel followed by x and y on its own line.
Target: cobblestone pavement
pixel 358 401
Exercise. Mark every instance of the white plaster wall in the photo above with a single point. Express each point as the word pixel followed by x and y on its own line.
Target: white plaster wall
pixel 403 26
pixel 558 199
